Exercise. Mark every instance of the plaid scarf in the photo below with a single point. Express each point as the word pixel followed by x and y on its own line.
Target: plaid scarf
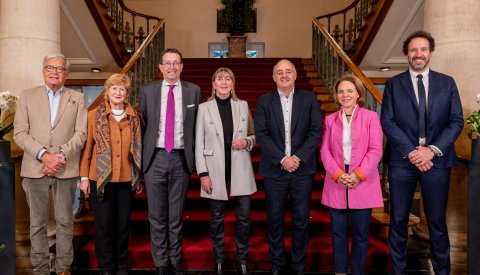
pixel 104 150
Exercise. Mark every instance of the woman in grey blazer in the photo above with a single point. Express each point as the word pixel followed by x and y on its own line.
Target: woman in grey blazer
pixel 224 139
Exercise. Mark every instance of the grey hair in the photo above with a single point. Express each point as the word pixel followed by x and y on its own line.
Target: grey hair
pixel 56 55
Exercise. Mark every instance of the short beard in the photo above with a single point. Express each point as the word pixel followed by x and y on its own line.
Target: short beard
pixel 418 68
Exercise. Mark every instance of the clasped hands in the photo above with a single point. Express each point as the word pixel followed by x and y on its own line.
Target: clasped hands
pixel 422 158
pixel 239 144
pixel 52 163
pixel 290 163
pixel 348 180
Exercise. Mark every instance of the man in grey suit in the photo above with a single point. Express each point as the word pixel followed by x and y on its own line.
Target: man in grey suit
pixel 51 128
pixel 169 110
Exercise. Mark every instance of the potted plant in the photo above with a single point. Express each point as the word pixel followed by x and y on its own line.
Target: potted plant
pixel 238 18
pixel 474 121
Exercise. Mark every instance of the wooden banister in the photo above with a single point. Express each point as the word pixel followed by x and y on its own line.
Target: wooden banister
pixel 143 64
pixel 122 28
pixel 356 25
pixel 348 63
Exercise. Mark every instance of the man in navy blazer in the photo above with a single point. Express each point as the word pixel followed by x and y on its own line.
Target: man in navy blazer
pixel 288 127
pixel 420 147
pixel 167 165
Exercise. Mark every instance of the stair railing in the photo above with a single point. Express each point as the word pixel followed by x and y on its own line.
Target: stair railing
pixel 143 65
pixel 355 26
pixel 331 62
pixel 123 29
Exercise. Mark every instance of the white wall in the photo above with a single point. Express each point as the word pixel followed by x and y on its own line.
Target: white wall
pixel 284 25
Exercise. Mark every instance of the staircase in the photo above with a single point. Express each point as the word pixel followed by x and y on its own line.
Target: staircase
pixel 253 78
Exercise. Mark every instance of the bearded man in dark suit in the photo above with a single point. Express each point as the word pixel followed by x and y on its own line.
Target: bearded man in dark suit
pixel 421 117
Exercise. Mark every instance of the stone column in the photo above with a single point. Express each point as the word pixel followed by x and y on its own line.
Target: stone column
pixel 29 29
pixel 454 25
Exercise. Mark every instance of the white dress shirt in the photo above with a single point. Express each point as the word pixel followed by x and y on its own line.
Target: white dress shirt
pixel 178 134
pixel 347 137
pixel 53 101
pixel 287 103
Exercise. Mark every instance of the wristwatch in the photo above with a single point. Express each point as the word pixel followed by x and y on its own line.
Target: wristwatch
pixel 436 151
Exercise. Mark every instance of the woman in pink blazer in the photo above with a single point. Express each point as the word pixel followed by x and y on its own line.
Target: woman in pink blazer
pixel 351 150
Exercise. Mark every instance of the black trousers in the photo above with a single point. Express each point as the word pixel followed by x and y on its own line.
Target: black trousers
pixel 112 222
pixel 242 227
pixel 295 190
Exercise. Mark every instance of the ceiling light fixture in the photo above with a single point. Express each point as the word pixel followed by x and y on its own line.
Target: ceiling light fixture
pixel 96 70
pixel 384 69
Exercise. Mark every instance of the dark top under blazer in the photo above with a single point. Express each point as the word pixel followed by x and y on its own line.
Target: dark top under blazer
pixel 150 107
pixel 306 131
pixel 399 118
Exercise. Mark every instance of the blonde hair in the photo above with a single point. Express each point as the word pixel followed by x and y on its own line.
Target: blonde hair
pixel 359 86
pixel 232 76
pixel 118 79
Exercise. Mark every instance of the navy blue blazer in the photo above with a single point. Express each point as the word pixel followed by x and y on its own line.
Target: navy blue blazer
pixel 306 131
pixel 399 118
pixel 150 108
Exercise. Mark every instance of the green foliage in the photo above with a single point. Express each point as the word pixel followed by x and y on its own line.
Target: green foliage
pixel 474 122
pixel 236 12
pixel 2 246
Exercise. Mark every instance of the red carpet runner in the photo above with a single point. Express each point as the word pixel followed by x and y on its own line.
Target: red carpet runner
pixel 253 78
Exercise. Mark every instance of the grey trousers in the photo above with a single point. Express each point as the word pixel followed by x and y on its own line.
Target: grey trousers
pixel 38 198
pixel 166 182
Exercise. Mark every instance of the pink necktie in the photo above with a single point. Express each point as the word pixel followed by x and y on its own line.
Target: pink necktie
pixel 170 120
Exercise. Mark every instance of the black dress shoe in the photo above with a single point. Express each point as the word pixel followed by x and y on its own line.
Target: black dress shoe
pixel 121 270
pixel 242 269
pixel 178 270
pixel 218 270
pixel 160 271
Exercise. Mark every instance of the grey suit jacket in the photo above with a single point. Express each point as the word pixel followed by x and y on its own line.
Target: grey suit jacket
pixel 33 130
pixel 210 151
pixel 150 107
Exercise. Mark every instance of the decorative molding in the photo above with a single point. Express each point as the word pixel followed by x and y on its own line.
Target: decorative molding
pixel 91 60
pixel 388 58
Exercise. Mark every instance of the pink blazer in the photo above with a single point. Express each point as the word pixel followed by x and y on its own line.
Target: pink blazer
pixel 367 142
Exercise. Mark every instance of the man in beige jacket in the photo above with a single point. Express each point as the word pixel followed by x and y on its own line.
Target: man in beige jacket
pixel 51 127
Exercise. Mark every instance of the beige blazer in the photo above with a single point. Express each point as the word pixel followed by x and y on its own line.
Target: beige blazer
pixel 33 130
pixel 210 152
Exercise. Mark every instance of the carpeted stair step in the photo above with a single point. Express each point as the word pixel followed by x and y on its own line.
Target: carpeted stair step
pixel 253 79
pixel 197 253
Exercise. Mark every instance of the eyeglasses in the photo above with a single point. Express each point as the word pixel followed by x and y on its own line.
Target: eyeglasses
pixel 58 69
pixel 172 64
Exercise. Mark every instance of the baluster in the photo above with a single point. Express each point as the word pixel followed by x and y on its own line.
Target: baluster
pixel 329 18
pixel 122 33
pixel 140 35
pixel 133 31
pixel 148 26
pixel 128 37
pixel 344 24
